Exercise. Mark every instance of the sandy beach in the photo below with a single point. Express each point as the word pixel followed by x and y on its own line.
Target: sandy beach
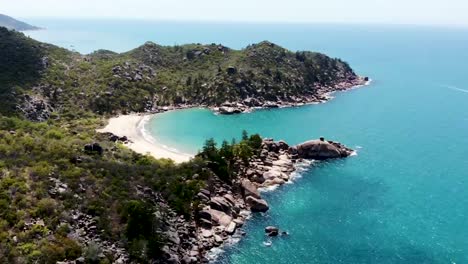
pixel 132 126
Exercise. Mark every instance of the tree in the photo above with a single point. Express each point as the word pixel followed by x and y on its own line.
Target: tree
pixel 245 135
pixel 139 222
pixel 255 141
pixel 144 240
pixel 189 81
pixel 226 151
pixel 210 146
pixel 243 151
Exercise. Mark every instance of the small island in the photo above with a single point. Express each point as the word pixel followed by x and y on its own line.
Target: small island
pixel 13 24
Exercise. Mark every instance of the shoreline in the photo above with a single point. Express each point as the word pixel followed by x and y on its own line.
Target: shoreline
pixel 324 94
pixel 224 211
pixel 132 126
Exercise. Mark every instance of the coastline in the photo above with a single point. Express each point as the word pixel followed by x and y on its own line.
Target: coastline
pixel 132 126
pixel 224 211
pixel 323 95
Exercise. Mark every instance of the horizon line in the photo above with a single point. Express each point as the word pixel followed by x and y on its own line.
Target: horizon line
pixel 273 22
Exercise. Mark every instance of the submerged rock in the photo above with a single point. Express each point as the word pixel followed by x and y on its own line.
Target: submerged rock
pixel 272 230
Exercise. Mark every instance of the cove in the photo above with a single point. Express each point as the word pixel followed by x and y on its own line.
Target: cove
pixel 402 199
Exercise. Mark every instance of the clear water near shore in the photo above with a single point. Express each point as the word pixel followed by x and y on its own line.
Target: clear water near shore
pixel 403 198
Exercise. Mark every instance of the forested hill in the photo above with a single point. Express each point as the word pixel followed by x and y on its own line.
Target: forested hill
pixel 11 23
pixel 71 195
pixel 64 83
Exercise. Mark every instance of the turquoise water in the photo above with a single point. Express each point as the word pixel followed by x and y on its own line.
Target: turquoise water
pixel 402 199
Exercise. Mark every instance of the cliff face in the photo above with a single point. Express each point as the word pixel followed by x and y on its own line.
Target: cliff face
pixel 154 76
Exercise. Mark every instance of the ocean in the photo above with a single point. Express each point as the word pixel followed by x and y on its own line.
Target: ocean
pixel 402 199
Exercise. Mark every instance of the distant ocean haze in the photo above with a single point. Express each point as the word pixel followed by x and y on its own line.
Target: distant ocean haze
pixel 402 199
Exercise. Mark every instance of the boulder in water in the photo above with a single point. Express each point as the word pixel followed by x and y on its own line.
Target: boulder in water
pixel 257 205
pixel 321 150
pixel 271 231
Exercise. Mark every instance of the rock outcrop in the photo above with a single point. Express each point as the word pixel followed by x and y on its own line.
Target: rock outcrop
pixel 321 150
pixel 35 108
pixel 320 95
pixel 257 205
pixel 271 231
pixel 224 208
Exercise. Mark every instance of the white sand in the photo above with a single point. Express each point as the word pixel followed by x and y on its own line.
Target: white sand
pixel 132 126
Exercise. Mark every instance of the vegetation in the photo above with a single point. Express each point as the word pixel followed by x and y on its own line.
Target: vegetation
pixel 35 155
pixel 152 75
pixel 224 161
pixel 46 175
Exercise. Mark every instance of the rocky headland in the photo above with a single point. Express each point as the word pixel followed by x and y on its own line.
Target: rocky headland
pixel 224 208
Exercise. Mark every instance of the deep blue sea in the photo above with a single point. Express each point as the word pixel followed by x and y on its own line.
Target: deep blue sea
pixel 402 199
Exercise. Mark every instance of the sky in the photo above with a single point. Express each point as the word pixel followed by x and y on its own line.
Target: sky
pixel 425 12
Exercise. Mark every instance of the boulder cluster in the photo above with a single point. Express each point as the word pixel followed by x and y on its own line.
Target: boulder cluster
pixel 224 208
pixel 35 108
pixel 181 233
pixel 84 229
pixel 319 94
pixel 133 72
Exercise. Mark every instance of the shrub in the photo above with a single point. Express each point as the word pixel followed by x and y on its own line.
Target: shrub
pixel 54 134
pixel 46 207
pixel 92 253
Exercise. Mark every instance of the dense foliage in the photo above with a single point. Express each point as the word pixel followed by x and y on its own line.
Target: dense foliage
pixel 224 161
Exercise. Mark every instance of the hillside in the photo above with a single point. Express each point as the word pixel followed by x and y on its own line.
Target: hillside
pixel 11 23
pixel 70 194
pixel 152 76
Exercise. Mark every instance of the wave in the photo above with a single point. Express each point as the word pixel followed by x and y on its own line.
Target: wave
pixel 330 95
pixel 300 168
pixel 455 88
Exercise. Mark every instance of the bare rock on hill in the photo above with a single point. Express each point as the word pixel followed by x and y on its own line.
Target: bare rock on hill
pixel 35 108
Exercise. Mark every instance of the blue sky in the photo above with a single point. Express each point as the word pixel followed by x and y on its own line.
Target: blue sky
pixel 433 12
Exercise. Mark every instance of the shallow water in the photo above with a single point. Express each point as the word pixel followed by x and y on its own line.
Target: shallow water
pixel 402 199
